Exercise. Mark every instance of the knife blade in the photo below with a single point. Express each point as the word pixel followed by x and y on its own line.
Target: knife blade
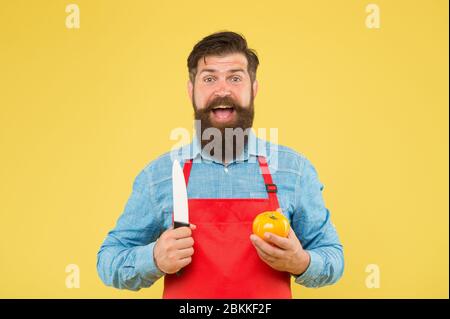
pixel 180 199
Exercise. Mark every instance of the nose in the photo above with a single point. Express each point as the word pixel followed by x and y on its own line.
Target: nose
pixel 222 90
pixel 222 93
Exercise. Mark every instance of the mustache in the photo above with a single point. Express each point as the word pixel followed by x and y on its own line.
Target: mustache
pixel 225 101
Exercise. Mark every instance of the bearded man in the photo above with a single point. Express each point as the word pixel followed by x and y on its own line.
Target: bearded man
pixel 232 176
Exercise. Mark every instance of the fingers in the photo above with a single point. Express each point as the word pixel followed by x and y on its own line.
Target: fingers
pixel 184 257
pixel 184 243
pixel 266 247
pixel 291 233
pixel 265 257
pixel 182 232
pixel 184 253
pixel 281 242
pixel 184 262
pixel 173 249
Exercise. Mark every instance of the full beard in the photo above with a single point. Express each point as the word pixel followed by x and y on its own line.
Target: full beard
pixel 224 141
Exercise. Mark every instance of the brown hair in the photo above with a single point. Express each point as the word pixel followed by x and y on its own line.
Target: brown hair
pixel 222 43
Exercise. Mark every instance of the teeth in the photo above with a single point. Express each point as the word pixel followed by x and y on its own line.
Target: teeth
pixel 222 107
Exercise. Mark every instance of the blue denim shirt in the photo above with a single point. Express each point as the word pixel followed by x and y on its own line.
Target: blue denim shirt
pixel 125 259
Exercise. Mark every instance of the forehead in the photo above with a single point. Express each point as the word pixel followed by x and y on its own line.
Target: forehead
pixel 223 63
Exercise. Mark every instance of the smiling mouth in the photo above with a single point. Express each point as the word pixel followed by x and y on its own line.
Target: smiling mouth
pixel 223 113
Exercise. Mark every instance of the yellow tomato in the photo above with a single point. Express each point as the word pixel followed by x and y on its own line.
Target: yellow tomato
pixel 272 222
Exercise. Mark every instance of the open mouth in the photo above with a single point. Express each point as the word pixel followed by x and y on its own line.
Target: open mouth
pixel 223 113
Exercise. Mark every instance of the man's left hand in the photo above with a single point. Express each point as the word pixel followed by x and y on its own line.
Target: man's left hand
pixel 280 253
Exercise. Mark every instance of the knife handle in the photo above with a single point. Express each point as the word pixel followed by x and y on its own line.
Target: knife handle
pixel 177 225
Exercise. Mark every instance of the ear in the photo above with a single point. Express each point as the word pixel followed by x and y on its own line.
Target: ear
pixel 255 88
pixel 190 88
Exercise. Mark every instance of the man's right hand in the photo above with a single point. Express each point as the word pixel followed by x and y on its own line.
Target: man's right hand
pixel 173 249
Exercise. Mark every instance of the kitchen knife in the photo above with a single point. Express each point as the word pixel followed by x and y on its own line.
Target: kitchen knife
pixel 180 200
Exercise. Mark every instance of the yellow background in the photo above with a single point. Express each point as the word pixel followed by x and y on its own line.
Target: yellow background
pixel 82 111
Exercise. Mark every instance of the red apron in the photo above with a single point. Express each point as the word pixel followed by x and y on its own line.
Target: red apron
pixel 225 264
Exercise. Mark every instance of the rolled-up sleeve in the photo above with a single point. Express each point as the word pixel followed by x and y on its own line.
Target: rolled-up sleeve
pixel 317 234
pixel 125 259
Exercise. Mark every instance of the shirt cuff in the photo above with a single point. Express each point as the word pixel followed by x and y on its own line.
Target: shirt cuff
pixel 145 263
pixel 313 271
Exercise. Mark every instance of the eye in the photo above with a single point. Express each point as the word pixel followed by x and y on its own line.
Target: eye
pixel 208 79
pixel 236 78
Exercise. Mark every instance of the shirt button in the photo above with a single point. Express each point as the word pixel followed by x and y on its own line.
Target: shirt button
pixel 226 170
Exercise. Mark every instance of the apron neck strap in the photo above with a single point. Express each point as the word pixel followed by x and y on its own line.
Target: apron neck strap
pixel 187 170
pixel 271 188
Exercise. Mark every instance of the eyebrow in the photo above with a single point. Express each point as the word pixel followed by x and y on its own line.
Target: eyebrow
pixel 229 71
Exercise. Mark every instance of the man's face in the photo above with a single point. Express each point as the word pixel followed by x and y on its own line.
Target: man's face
pixel 222 93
